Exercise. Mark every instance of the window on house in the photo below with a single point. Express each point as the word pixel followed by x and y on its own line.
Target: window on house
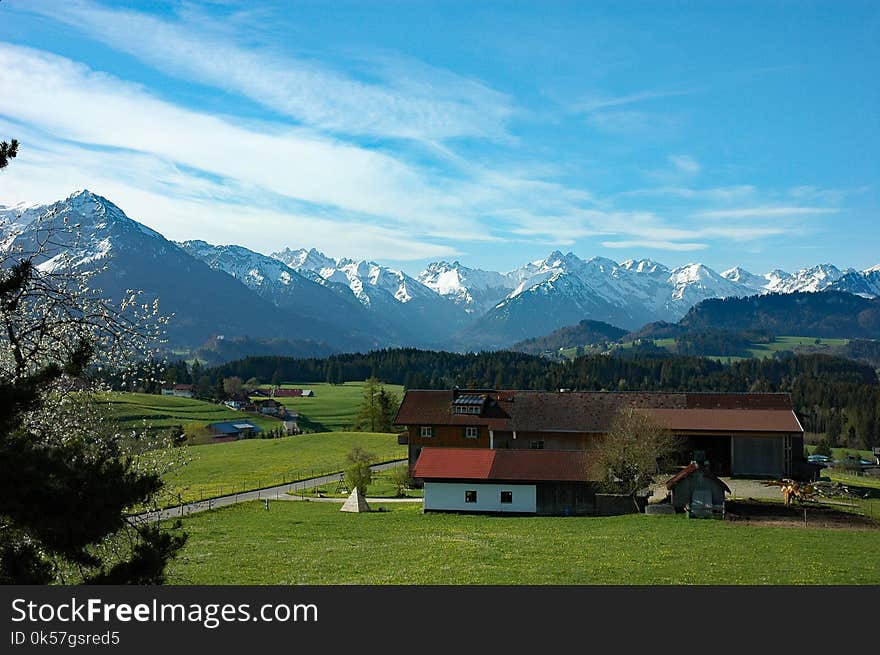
pixel 472 433
pixel 537 445
pixel 470 496
pixel 427 431
pixel 506 496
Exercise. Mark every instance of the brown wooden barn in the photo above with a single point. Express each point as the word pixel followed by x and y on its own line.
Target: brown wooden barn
pixel 744 434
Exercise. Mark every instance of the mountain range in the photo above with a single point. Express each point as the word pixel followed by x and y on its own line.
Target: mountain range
pixel 304 297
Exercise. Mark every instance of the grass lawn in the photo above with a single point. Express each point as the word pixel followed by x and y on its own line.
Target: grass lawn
pixel 235 466
pixel 781 344
pixel 334 407
pixel 314 543
pixel 380 487
pixel 139 410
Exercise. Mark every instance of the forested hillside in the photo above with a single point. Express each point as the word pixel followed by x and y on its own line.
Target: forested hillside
pixel 831 395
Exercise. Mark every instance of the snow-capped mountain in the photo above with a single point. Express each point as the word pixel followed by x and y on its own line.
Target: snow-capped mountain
pixel 695 282
pixel 303 294
pixel 815 278
pixel 89 231
pixel 365 279
pixel 307 293
pixel 474 289
pixel 562 289
pixel 750 280
pixel 862 283
pixel 417 314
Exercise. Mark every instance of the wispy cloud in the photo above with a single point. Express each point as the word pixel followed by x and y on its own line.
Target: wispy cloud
pixel 673 246
pixel 596 102
pixel 97 109
pixel 714 194
pixel 183 205
pixel 685 164
pixel 765 212
pixel 409 100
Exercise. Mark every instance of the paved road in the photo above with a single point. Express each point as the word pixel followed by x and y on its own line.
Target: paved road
pixel 273 493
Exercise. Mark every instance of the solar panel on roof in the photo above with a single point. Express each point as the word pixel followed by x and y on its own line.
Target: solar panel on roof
pixel 470 399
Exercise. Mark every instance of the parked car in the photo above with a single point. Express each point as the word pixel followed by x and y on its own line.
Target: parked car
pixel 852 462
pixel 819 459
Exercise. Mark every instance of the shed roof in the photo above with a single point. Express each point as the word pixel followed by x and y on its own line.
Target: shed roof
pixel 233 427
pixel 690 469
pixel 501 464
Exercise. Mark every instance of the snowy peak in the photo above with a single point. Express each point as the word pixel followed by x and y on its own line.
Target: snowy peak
pixel 696 282
pixel 364 278
pixel 741 276
pixel 87 228
pixel 249 267
pixel 473 288
pixel 644 266
pixel 816 278
pixel 311 259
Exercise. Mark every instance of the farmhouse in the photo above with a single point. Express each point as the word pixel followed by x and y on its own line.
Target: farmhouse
pixel 179 390
pixel 745 434
pixel 278 392
pixel 269 406
pixel 505 481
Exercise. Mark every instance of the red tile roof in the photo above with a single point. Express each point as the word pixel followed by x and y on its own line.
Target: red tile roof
pixel 501 464
pixel 594 411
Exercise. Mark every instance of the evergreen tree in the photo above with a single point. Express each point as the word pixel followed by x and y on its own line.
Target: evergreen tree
pixel 67 480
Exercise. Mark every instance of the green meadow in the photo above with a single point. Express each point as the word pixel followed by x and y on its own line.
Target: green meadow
pixel 235 466
pixel 298 543
pixel 141 410
pixel 334 407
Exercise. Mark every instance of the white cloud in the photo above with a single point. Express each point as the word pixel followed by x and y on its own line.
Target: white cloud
pixel 596 102
pixel 685 164
pixel 674 246
pixel 182 206
pixel 765 212
pixel 96 109
pixel 410 100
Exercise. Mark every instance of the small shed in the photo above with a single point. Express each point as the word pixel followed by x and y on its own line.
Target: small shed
pixel 696 489
pixel 237 429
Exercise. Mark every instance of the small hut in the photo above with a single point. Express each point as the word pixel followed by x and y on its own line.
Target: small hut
pixel 355 502
pixel 698 491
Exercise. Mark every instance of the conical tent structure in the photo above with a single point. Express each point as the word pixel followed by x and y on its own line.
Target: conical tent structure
pixel 355 503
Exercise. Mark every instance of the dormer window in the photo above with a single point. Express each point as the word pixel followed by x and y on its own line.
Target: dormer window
pixel 469 403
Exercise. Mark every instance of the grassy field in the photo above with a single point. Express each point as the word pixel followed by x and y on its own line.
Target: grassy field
pixel 314 543
pixel 139 410
pixel 759 350
pixel 841 453
pixel 782 344
pixel 235 466
pixel 334 407
pixel 380 487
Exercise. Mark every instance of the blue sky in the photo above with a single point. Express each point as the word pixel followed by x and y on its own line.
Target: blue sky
pixel 730 133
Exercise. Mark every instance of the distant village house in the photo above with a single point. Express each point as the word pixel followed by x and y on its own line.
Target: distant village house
pixel 178 390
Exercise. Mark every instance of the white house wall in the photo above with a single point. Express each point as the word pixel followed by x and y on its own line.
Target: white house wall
pixel 449 496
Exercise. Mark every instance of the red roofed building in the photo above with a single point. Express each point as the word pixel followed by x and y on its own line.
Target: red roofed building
pixel 748 434
pixel 505 481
